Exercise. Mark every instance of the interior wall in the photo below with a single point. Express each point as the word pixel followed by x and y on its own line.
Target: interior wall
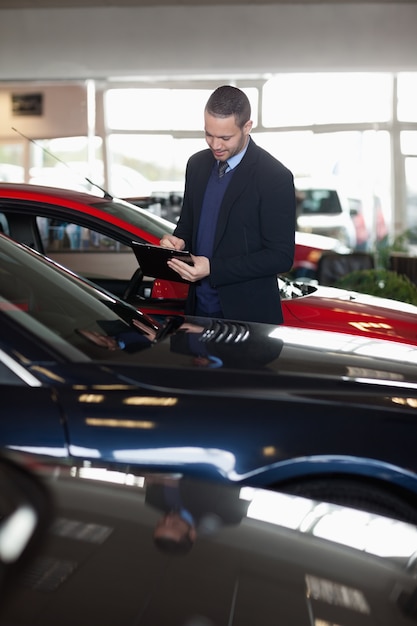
pixel 64 112
pixel 56 44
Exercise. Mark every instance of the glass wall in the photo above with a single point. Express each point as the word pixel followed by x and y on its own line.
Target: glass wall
pixel 407 124
pixel 333 128
pixel 355 131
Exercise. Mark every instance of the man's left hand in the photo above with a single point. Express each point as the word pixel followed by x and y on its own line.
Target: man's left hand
pixel 192 273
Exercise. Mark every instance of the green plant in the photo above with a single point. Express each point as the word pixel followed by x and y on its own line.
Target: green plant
pixel 401 243
pixel 382 283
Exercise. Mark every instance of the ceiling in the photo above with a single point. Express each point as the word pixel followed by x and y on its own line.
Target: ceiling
pixel 62 4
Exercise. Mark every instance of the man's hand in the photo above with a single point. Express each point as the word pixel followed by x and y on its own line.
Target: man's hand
pixel 192 273
pixel 170 241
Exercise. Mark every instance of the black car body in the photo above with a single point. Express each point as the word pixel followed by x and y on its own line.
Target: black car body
pixel 266 558
pixel 86 377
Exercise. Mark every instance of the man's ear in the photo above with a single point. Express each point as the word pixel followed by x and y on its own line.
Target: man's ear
pixel 247 127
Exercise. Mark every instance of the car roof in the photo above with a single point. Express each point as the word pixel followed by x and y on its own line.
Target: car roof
pixel 121 213
pixel 57 192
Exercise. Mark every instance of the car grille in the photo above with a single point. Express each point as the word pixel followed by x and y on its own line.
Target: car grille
pixel 221 331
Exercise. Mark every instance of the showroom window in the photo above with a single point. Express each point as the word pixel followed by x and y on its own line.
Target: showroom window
pixel 68 162
pixel 163 109
pixel 308 99
pixel 156 139
pixel 139 137
pixel 407 97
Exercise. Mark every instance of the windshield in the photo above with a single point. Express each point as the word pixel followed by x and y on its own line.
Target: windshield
pixel 318 201
pixel 153 224
pixel 66 313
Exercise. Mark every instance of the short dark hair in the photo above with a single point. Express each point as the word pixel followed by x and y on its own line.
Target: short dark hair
pixel 226 101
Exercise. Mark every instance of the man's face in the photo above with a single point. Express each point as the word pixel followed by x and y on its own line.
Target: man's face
pixel 172 526
pixel 224 137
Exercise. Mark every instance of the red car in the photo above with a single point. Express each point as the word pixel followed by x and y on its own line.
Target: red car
pixel 92 236
pixel 308 250
pixel 68 224
pixel 341 310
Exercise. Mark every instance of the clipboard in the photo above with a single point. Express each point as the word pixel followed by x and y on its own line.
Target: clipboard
pixel 153 260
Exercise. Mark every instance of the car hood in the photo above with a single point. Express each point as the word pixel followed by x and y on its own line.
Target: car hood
pixel 356 299
pixel 256 555
pixel 264 362
pixel 192 353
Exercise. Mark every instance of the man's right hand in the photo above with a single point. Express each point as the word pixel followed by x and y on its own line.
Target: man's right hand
pixel 170 241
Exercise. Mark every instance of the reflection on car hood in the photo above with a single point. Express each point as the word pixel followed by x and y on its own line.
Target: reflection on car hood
pixel 224 346
pixel 256 557
pixel 201 353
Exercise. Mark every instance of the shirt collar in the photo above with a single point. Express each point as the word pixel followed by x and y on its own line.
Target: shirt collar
pixel 236 159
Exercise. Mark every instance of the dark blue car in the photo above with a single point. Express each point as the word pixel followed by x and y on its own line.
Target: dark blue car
pixel 88 378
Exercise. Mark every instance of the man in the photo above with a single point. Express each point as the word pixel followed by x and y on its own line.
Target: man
pixel 190 509
pixel 239 224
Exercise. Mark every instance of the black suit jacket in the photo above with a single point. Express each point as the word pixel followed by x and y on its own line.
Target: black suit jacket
pixel 255 233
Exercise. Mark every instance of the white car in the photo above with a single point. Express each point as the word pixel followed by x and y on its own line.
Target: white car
pixel 322 209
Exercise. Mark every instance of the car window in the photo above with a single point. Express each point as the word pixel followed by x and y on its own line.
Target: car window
pixel 69 236
pixel 142 218
pixel 355 206
pixel 4 226
pixel 90 239
pixel 318 201
pixel 86 251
